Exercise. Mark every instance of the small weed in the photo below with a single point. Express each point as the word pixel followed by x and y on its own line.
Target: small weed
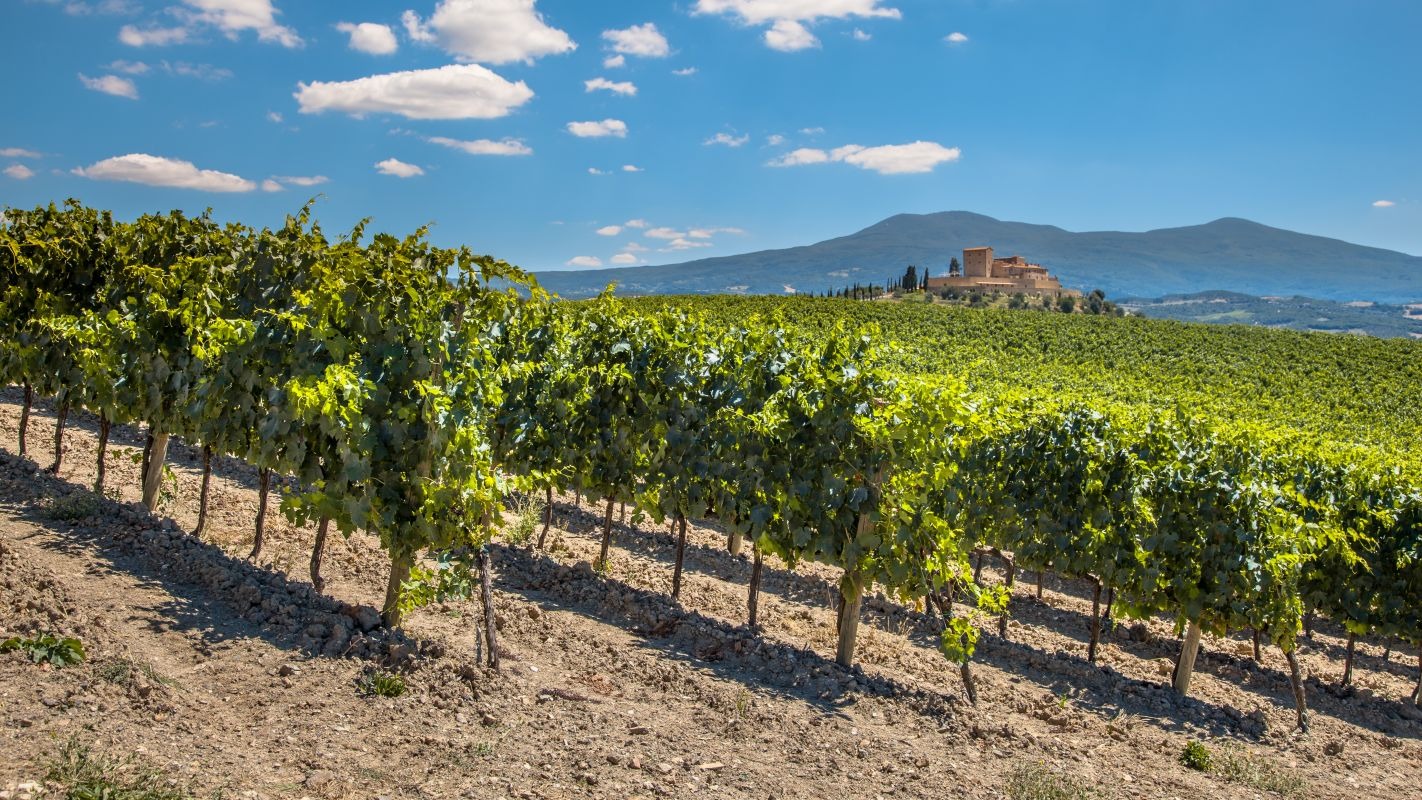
pixel 80 774
pixel 528 514
pixel 378 683
pixel 77 505
pixel 47 649
pixel 483 749
pixel 1237 765
pixel 1036 782
pixel 602 567
pixel 1196 756
pixel 122 671
pixel 742 702
pixel 1063 700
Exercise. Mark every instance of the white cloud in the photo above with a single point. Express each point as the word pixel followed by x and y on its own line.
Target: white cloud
pixel 233 17
pixel 596 171
pixel 685 244
pixel 111 84
pixel 728 140
pixel 19 172
pixel 584 261
pixel 788 36
pixel 860 36
pixel 635 247
pixel 159 171
pixel 812 131
pixel 632 168
pixel 616 87
pixel 624 258
pixel 17 152
pixel 609 230
pixel 607 127
pixel 707 233
pixel 274 116
pixel 485 147
pixel 302 180
pixel 955 38
pixel 1383 204
pixel 270 185
pixel 684 71
pixel 614 62
pixel 398 168
pixel 491 31
pixel 756 12
pixel 78 8
pixel 129 67
pixel 203 72
pixel 639 40
pixel 456 91
pixel 636 223
pixel 370 37
pixel 665 233
pixel 894 159
pixel 788 18
pixel 134 36
pixel 775 140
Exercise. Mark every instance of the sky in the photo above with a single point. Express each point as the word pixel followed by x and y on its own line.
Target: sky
pixel 569 134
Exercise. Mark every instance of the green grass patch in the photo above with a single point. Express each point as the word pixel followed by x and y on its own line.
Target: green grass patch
pixel 77 773
pixel 379 683
pixel 1036 782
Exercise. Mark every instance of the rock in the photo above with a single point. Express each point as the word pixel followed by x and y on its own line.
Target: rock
pixel 316 630
pixel 711 766
pixel 319 779
pixel 286 670
pixel 366 617
pixel 1333 748
pixel 1163 666
pixel 534 612
pixel 639 730
pixel 1244 649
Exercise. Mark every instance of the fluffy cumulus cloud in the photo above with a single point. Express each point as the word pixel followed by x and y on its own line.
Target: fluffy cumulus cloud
pixel 278 183
pixel 860 36
pixel 639 40
pixel 231 17
pixel 623 259
pixel 787 36
pixel 17 152
pixel 728 140
pixel 370 37
pixel 596 171
pixel 639 224
pixel 491 31
pixel 627 88
pixel 1383 204
pixel 129 67
pixel 485 147
pixel 158 171
pixel 19 172
pixel 788 19
pixel 398 168
pixel 609 230
pixel 614 62
pixel 632 168
pixel 456 91
pixel 956 38
pixel 110 84
pixel 891 159
pixel 584 261
pixel 594 130
pixel 684 72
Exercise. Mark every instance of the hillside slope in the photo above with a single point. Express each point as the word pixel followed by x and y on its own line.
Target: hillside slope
pixel 1231 254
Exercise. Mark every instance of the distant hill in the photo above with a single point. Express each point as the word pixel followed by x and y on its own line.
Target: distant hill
pixel 1299 313
pixel 1228 254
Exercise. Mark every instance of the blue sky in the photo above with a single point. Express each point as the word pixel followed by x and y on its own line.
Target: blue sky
pixel 754 124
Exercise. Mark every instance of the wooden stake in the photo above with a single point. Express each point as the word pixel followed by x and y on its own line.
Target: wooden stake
pixel 153 477
pixel 754 602
pixel 1096 623
pixel 59 419
pixel 851 592
pixel 204 494
pixel 1296 681
pixel 1185 666
pixel 317 551
pixel 264 483
pixel 606 535
pixel 100 468
pixel 547 515
pixel 490 626
pixel 1348 659
pixel 1006 611
pixel 25 415
pixel 680 556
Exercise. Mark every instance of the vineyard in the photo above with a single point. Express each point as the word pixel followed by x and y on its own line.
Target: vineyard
pixel 1225 481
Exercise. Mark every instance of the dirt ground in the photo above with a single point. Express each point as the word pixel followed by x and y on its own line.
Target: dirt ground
pixel 239 679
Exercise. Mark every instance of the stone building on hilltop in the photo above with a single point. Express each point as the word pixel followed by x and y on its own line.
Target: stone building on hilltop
pixel 982 272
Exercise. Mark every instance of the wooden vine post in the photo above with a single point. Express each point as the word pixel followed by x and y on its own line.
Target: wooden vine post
pixel 487 593
pixel 153 475
pixel 680 522
pixel 1185 665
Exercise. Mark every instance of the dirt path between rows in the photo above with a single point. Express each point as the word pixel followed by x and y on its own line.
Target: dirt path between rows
pixel 240 678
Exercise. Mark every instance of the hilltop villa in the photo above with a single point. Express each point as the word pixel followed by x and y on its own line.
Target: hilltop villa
pixel 983 272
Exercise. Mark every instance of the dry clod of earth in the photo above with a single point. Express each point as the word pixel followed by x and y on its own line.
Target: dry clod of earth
pixel 240 678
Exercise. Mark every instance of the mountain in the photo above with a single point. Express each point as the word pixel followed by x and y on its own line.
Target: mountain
pixel 1299 313
pixel 1229 254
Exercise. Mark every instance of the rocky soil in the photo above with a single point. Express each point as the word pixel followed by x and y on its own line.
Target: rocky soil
pixel 239 678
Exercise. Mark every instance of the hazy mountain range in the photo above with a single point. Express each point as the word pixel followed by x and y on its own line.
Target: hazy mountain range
pixel 1228 254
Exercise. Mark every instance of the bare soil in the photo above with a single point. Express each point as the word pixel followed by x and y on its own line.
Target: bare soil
pixel 239 678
